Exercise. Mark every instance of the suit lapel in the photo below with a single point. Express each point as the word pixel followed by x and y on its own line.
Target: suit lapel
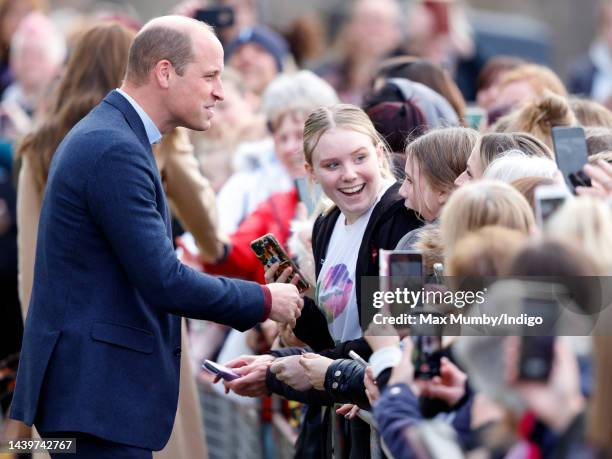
pixel 115 99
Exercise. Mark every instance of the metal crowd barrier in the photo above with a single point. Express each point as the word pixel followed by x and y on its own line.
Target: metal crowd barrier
pixel 235 431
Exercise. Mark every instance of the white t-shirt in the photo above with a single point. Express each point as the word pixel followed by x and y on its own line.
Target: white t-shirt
pixel 335 292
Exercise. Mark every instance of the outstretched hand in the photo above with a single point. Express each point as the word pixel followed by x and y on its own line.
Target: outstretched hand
pixel 286 303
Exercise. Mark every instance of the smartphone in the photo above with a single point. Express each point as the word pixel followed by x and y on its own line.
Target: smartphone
pixel 548 198
pixel 536 354
pixel 216 16
pixel 406 270
pixel 219 370
pixel 357 358
pixel 571 155
pixel 269 251
pixel 426 356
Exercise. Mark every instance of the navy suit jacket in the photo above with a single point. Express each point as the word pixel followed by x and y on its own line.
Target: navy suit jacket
pixel 101 349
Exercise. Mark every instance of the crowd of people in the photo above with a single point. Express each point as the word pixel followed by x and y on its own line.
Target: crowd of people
pixel 403 141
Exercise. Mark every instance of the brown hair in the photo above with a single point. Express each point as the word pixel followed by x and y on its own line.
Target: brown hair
pixel 590 113
pixel 495 68
pixel 527 185
pixel 539 77
pixel 442 155
pixel 539 117
pixel 156 43
pixel 493 145
pixel 487 251
pixel 96 66
pixel 598 139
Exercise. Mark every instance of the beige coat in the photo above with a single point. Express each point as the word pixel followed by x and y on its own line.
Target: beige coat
pixel 193 202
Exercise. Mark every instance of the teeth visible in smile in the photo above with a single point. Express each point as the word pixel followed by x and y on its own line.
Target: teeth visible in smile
pixel 353 189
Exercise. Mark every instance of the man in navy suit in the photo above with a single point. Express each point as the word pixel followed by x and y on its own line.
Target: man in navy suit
pixel 101 350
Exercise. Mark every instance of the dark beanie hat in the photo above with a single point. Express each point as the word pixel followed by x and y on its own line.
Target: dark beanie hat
pixel 398 122
pixel 271 41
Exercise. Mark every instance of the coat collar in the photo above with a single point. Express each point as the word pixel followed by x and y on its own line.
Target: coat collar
pixel 115 99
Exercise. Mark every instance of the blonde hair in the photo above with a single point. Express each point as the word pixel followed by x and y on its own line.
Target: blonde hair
pixel 604 156
pixel 539 78
pixel 590 113
pixel 588 221
pixel 515 164
pixel 442 155
pixel 527 186
pixel 482 203
pixel 343 116
pixel 429 244
pixel 540 116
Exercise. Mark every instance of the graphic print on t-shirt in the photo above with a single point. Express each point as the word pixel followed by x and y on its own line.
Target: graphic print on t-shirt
pixel 335 291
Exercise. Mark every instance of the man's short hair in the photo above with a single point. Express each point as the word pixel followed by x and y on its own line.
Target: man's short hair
pixel 154 44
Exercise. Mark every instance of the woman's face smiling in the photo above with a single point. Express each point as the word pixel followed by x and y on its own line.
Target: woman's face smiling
pixel 347 166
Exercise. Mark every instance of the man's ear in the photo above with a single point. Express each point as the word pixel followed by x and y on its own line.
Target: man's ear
pixel 162 73
pixel 310 171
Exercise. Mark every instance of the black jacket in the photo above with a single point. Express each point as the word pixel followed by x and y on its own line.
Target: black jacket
pixel 389 222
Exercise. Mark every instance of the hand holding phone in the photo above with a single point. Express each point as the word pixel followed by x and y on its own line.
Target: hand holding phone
pixel 269 252
pixel 571 155
pixel 219 370
pixel 426 356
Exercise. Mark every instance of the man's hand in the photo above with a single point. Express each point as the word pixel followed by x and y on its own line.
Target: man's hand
pixel 252 369
pixel 289 371
pixel 315 366
pixel 286 303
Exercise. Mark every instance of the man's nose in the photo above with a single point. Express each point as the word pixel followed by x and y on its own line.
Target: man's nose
pixel 218 91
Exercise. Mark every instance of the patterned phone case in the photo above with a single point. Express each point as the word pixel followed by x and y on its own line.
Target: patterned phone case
pixel 269 251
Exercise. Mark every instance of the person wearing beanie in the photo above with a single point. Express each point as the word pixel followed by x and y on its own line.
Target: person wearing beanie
pixel 258 54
